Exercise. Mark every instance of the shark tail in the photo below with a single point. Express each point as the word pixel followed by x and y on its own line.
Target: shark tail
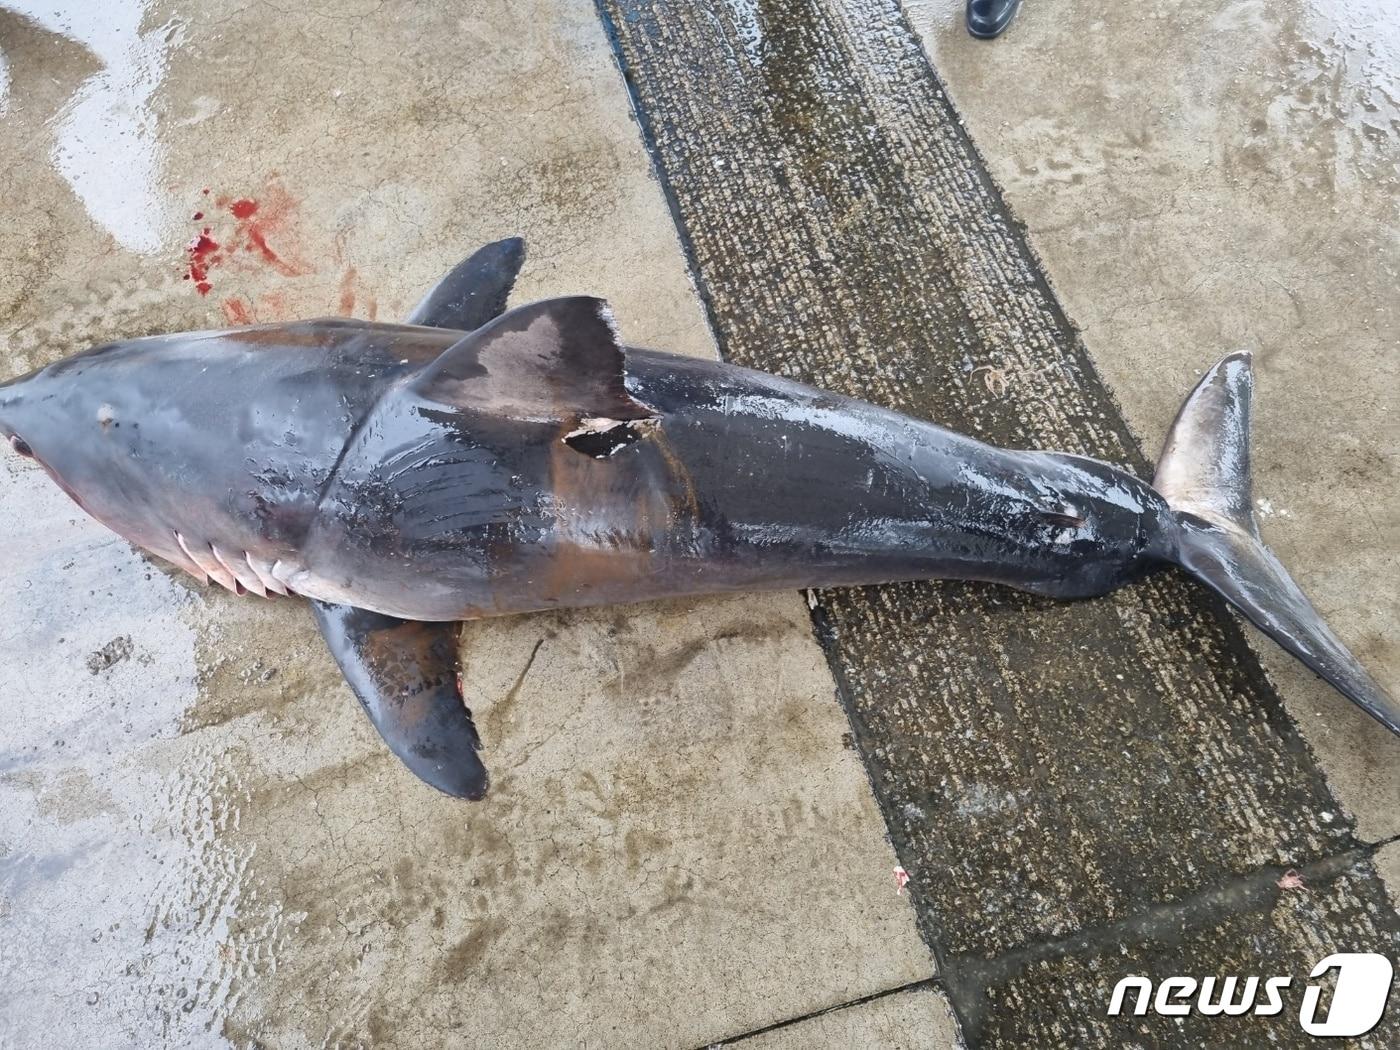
pixel 1204 475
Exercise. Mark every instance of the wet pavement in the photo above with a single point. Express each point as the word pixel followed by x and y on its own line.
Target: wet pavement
pixel 202 842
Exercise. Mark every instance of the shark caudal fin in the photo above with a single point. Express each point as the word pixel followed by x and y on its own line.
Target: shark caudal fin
pixel 1204 476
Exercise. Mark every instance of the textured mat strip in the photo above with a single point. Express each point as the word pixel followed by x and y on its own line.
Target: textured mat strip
pixel 1050 773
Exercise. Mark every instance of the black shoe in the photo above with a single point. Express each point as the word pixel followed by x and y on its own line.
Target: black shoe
pixel 987 18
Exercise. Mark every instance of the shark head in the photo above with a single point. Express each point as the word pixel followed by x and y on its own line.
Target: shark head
pixel 93 424
pixel 63 417
pixel 205 449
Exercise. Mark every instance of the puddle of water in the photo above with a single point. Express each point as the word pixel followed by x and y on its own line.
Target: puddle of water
pixel 122 913
pixel 748 23
pixel 109 126
pixel 1344 86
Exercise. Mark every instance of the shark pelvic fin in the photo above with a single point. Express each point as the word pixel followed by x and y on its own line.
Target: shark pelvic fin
pixel 405 675
pixel 475 291
pixel 1204 474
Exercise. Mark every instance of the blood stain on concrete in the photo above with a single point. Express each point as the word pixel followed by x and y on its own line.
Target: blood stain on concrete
pixel 203 251
pixel 347 292
pixel 237 311
pixel 263 233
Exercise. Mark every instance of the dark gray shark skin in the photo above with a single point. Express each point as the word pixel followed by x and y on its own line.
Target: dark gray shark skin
pixel 478 463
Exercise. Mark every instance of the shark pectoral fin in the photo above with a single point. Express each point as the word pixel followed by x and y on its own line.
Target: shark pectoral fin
pixel 475 290
pixel 554 361
pixel 405 675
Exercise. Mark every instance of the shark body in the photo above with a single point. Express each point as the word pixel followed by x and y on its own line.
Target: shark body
pixel 482 462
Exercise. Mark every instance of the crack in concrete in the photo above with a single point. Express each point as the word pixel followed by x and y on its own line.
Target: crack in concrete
pixel 930 983
pixel 968 978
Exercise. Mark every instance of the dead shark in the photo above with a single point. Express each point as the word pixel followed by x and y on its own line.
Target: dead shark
pixel 481 462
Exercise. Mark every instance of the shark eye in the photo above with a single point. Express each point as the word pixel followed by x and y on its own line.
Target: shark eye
pixel 21 446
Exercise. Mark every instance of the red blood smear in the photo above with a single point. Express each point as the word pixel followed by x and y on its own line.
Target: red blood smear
pixel 255 222
pixel 236 310
pixel 255 235
pixel 201 252
pixel 347 293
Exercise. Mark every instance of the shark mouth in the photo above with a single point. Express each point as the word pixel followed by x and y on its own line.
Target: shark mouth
pixel 241 574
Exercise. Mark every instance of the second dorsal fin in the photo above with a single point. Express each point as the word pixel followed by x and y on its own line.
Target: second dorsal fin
pixel 475 290
pixel 557 360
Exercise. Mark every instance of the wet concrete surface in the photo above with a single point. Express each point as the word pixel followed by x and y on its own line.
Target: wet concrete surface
pixel 1079 791
pixel 1202 177
pixel 202 842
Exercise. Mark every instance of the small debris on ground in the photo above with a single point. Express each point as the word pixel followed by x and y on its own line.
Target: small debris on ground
pixel 996 380
pixel 114 652
pixel 1292 880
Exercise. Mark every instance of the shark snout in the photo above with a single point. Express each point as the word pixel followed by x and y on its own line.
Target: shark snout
pixel 11 401
pixel 18 420
pixel 8 422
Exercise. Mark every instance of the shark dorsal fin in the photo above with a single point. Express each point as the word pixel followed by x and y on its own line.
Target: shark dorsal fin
pixel 557 360
pixel 475 290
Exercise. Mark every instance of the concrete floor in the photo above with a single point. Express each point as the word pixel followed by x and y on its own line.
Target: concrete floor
pixel 225 853
pixel 202 842
pixel 1200 177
